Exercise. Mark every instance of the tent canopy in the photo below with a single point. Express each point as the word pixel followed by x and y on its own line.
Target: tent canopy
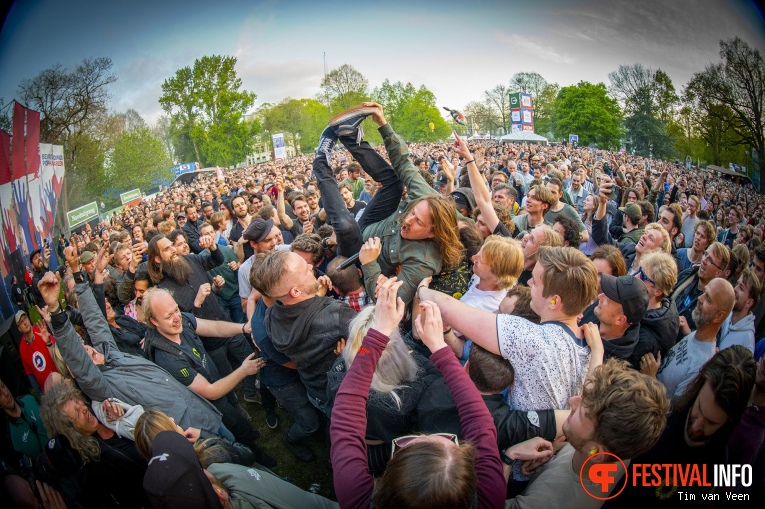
pixel 522 136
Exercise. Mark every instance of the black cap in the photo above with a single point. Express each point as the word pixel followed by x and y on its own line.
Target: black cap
pixel 33 253
pixel 258 229
pixel 628 291
pixel 174 476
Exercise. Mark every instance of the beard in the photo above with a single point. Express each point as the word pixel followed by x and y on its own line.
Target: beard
pixel 699 318
pixel 177 269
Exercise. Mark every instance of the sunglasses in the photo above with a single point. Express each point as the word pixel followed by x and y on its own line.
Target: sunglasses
pixel 644 277
pixel 400 442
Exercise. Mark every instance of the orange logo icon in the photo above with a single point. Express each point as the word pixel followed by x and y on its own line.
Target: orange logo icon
pixel 602 475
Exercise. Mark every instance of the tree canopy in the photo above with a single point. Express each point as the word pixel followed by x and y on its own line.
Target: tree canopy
pixel 206 108
pixel 587 110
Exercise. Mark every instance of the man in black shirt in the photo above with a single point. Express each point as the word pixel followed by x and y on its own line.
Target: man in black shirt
pixel 174 345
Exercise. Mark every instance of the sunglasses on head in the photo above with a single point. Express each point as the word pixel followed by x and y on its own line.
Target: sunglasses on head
pixel 400 442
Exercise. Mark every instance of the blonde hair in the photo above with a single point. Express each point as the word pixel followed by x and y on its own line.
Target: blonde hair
pixel 570 274
pixel 541 193
pixel 443 220
pixel 396 364
pixel 505 257
pixel 721 251
pixel 151 423
pixel 666 243
pixel 662 269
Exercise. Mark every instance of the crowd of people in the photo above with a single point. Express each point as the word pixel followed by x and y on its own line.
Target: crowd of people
pixel 466 324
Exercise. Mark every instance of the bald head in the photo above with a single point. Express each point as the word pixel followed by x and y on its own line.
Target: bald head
pixel 714 305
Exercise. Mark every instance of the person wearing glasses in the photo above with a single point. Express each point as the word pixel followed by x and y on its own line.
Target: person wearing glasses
pixel 684 360
pixel 427 470
pixel 659 326
pixel 692 282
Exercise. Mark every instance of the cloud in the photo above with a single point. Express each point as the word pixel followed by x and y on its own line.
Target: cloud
pixel 534 48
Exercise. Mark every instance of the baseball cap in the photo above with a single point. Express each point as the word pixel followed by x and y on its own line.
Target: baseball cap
pixel 19 315
pixel 33 253
pixel 86 256
pixel 628 291
pixel 461 201
pixel 258 229
pixel 174 476
pixel 181 214
pixel 633 211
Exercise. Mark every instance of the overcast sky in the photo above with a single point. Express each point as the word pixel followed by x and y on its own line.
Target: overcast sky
pixel 456 49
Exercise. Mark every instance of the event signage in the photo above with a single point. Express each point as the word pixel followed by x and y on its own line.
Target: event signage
pixel 129 196
pixel 82 214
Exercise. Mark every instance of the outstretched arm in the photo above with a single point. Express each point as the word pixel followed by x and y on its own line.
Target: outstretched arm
pixel 280 207
pixel 477 184
pixel 480 326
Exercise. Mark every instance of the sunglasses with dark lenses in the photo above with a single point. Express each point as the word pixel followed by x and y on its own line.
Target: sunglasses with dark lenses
pixel 644 277
pixel 400 442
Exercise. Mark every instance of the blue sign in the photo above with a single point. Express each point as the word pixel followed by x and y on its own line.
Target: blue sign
pixel 573 138
pixel 180 169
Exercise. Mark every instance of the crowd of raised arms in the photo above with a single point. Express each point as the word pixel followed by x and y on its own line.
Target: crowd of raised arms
pixel 466 324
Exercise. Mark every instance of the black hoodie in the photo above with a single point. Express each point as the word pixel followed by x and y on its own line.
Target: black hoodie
pixel 658 329
pixel 307 333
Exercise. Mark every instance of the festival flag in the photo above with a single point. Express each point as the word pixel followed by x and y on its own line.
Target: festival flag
pixel 21 197
pixel 7 236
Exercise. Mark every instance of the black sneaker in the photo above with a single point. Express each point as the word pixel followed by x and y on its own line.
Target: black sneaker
pixel 301 451
pixel 349 122
pixel 326 142
pixel 272 421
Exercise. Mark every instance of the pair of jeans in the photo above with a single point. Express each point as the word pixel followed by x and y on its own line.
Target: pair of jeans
pixel 235 351
pixel 294 399
pixel 233 308
pixel 382 205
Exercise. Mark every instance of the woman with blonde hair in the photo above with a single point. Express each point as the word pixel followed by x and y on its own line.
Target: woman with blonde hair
pixel 398 383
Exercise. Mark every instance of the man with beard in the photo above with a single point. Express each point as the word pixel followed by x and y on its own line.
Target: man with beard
pixel 186 278
pixel 620 412
pixel 691 282
pixel 699 426
pixel 302 323
pixel 738 328
pixel 40 260
pixel 241 222
pixel 684 360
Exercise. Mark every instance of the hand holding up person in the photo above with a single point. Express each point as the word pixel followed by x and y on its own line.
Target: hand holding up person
pixel 430 326
pixel 389 310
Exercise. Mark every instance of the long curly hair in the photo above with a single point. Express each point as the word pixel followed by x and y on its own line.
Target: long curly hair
pixel 58 423
pixel 443 217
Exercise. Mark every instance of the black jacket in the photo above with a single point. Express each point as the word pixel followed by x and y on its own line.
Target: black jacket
pixel 658 330
pixel 307 333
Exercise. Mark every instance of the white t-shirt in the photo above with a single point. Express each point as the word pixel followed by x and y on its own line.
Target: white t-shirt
pixel 550 362
pixel 481 299
pixel 683 362
pixel 243 275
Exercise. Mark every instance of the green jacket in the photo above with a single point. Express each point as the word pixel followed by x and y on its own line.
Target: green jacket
pixel 231 287
pixel 28 434
pixel 633 235
pixel 410 260
pixel 254 488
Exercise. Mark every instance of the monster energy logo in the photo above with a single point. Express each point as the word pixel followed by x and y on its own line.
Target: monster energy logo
pixel 184 372
pixel 196 352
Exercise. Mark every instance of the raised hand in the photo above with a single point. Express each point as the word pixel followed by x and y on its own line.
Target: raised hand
pixel 430 326
pixel 370 251
pixel 389 310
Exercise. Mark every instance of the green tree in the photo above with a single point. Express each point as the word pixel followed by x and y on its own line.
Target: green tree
pixel 207 110
pixel 544 110
pixel 5 117
pixel 738 84
pixel 587 110
pixel 138 160
pixel 304 119
pixel 416 115
pixel 72 103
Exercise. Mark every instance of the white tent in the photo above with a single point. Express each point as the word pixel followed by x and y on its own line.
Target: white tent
pixel 521 136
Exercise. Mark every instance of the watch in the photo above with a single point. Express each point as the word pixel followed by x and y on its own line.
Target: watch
pixel 507 460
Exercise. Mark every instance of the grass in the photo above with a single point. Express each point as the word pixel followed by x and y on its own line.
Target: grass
pixel 301 473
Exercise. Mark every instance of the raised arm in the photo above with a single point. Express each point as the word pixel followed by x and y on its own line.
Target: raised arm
pixel 477 184
pixel 478 325
pixel 88 376
pixel 281 211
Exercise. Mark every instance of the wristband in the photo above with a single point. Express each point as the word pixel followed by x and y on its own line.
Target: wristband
pixel 447 331
pixel 468 162
pixel 243 325
pixel 507 460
